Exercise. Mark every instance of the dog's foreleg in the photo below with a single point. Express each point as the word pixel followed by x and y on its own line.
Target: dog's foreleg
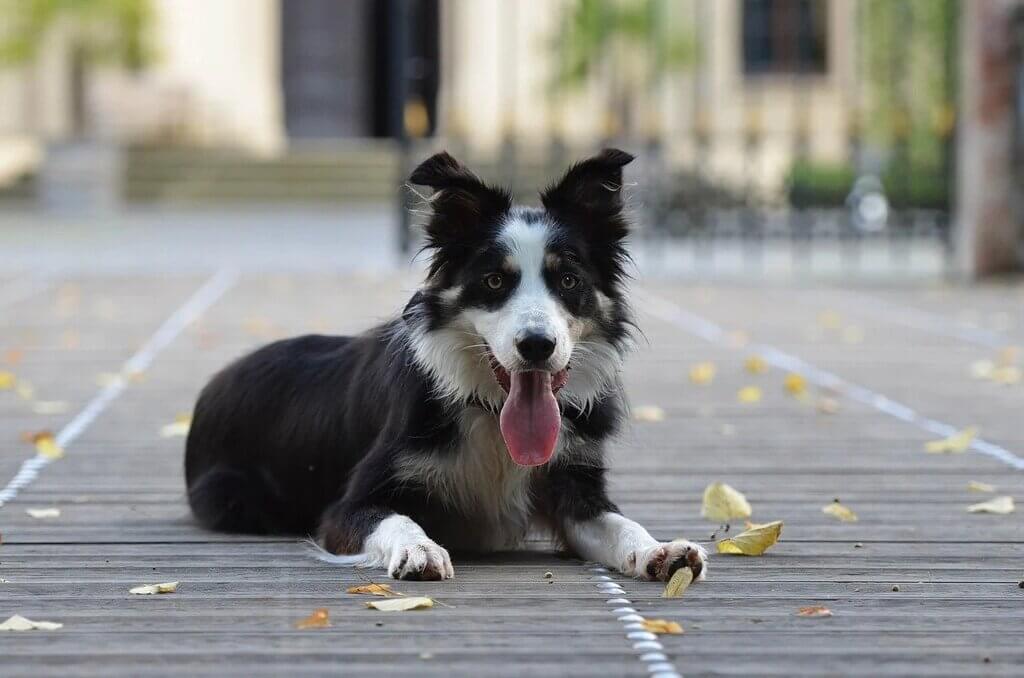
pixel 618 542
pixel 379 537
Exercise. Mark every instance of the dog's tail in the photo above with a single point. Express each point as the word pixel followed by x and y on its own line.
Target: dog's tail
pixel 354 560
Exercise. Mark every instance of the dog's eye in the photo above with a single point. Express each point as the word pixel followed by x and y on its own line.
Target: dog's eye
pixel 494 281
pixel 569 281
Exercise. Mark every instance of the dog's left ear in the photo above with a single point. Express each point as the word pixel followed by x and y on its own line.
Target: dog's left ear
pixel 461 202
pixel 593 186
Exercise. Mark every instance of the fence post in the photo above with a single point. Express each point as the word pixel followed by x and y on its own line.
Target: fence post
pixel 987 227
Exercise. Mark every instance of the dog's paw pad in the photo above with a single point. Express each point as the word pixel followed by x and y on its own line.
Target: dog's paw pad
pixel 423 561
pixel 663 561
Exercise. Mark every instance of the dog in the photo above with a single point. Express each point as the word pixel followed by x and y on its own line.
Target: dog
pixel 479 413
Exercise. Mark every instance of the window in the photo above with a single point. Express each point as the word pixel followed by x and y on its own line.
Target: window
pixel 784 36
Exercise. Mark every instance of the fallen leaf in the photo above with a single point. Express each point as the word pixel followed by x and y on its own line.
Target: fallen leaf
pixel 956 443
pixel 1007 375
pixel 1000 505
pixel 752 542
pixel 372 590
pixel 703 373
pixel 401 604
pixel 19 623
pixel 662 626
pixel 678 584
pixel 723 503
pixel 47 447
pixel 318 620
pixel 814 611
pixel 755 364
pixel 7 381
pixel 43 512
pixel 1008 356
pixel 50 407
pixel 154 589
pixel 978 486
pixel 982 369
pixel 828 405
pixel 843 513
pixel 13 356
pixel 795 384
pixel 648 413
pixel 179 427
pixel 749 394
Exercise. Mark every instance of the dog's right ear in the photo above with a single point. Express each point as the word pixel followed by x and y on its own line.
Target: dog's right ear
pixel 461 202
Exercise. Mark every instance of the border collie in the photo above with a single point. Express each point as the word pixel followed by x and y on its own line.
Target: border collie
pixel 480 412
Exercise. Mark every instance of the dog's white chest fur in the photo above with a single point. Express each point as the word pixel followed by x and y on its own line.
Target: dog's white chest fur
pixel 480 480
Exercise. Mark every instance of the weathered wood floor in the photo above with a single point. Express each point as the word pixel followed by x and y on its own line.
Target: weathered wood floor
pixel 958 609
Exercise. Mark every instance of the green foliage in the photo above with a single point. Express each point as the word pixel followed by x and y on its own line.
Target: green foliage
pixel 105 31
pixel 629 31
pixel 906 184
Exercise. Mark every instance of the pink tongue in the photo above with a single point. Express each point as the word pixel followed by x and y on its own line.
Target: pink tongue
pixel 530 418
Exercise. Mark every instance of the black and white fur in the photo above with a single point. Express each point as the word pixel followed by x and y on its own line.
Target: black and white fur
pixel 387 444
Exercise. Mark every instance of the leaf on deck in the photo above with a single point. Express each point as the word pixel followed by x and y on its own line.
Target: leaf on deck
pixel 723 503
pixel 401 604
pixel 154 589
pixel 678 584
pixel 999 505
pixel 837 510
pixel 752 542
pixel 318 620
pixel 954 444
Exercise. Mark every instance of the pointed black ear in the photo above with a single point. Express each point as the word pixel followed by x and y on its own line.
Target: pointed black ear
pixel 592 186
pixel 461 202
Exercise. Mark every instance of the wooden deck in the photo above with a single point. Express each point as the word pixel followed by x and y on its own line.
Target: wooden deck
pixel 903 358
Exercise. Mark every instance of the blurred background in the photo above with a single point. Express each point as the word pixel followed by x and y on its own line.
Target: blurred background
pixel 774 137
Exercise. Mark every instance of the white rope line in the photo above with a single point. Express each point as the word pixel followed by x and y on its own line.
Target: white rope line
pixel 644 643
pixel 197 304
pixel 713 333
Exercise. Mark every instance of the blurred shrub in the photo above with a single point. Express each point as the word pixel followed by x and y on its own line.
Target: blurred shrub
pixel 818 184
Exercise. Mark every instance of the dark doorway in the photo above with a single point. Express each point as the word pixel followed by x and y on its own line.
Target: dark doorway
pixel 338 65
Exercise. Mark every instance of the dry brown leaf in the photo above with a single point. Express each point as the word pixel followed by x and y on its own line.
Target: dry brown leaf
pixel 754 541
pixel 703 373
pixel 954 444
pixel 755 364
pixel 318 620
pixel 814 611
pixel 795 384
pixel 999 505
pixel 13 356
pixel 837 510
pixel 7 381
pixel 19 623
pixel 43 512
pixel 978 486
pixel 662 626
pixel 373 590
pixel 749 394
pixel 723 503
pixel 401 604
pixel 648 413
pixel 154 589
pixel 678 584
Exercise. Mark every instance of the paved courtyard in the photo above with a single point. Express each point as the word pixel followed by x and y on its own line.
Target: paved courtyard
pixel 918 585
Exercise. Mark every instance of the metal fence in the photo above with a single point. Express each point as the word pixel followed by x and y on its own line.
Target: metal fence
pixel 785 129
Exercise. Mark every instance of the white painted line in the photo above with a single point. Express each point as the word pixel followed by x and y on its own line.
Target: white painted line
pixel 24 288
pixel 198 303
pixel 715 334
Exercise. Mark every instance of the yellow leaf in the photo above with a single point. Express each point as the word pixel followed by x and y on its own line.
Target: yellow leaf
pixel 19 623
pixel 723 503
pixel 318 620
pixel 7 381
pixel 154 589
pixel 752 542
pixel 401 604
pixel 372 590
pixel 755 364
pixel 814 611
pixel 678 584
pixel 977 486
pixel 703 373
pixel 749 394
pixel 40 513
pixel 648 413
pixel 837 510
pixel 956 443
pixel 662 626
pixel 47 447
pixel 795 384
pixel 179 427
pixel 999 505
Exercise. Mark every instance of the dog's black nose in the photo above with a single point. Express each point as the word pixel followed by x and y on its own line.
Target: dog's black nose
pixel 535 347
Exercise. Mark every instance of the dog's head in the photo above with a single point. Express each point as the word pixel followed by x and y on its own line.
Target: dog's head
pixel 523 307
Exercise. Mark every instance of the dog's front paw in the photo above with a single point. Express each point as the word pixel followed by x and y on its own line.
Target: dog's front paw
pixel 423 560
pixel 662 561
